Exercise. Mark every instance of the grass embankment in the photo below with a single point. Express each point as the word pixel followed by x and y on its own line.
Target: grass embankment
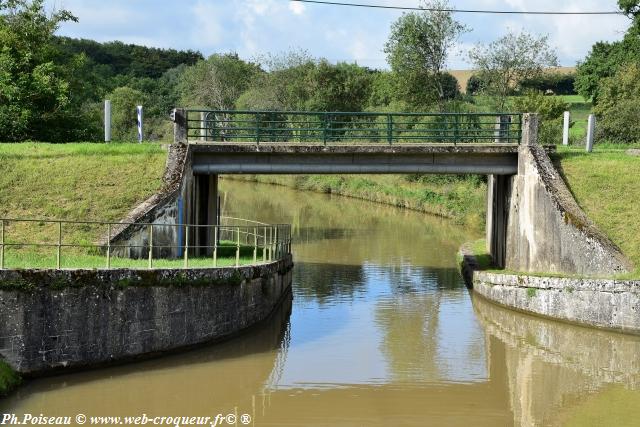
pixel 9 379
pixel 606 185
pixel 80 182
pixel 460 198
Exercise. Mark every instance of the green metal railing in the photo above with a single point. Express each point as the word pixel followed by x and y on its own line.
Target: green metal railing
pixel 357 127
pixel 249 243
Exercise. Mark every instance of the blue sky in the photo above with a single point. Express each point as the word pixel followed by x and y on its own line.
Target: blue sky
pixel 255 27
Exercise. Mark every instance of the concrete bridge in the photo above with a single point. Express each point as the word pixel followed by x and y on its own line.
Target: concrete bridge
pixel 533 223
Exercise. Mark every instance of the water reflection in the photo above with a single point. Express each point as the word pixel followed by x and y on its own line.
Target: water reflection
pixel 382 332
pixel 551 367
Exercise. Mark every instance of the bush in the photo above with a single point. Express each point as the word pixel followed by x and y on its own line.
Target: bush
pixel 475 85
pixel 549 108
pixel 618 107
pixel 558 83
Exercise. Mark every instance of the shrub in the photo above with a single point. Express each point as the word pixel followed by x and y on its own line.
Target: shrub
pixel 550 110
pixel 618 107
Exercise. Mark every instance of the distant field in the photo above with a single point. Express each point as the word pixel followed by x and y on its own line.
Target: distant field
pixel 464 75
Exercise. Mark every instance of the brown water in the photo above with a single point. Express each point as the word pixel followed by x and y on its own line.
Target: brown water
pixel 381 332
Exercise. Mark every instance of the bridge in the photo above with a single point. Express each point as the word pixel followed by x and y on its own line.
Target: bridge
pixel 236 142
pixel 277 142
pixel 533 223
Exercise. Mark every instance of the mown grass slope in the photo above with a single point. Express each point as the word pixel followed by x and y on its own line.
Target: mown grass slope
pixel 606 184
pixel 79 182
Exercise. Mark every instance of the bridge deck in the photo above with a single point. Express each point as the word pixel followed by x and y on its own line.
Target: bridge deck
pixel 297 158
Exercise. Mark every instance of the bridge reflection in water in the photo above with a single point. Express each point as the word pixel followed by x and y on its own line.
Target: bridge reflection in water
pixel 382 332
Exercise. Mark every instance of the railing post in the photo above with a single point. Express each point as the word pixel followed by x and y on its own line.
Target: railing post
pixel 255 244
pixel 2 245
pixel 237 246
pixel 59 252
pixel 389 129
pixel 275 241
pixel 566 121
pixel 203 126
pixel 324 128
pixel 108 246
pixel 591 132
pixel 501 132
pixel 257 121
pixel 150 246
pixel 529 129
pixel 180 126
pixel 264 245
pixel 215 245
pixel 186 246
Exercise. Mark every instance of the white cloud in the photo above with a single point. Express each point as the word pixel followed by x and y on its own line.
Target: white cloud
pixel 257 27
pixel 206 30
pixel 296 7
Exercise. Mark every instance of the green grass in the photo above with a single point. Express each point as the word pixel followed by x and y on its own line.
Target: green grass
pixel 9 379
pixel 479 251
pixel 78 182
pixel 459 198
pixel 84 181
pixel 606 185
pixel 580 109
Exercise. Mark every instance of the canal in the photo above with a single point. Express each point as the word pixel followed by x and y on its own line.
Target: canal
pixel 381 331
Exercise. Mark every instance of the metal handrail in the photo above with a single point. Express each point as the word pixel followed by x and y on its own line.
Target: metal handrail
pixel 272 241
pixel 372 127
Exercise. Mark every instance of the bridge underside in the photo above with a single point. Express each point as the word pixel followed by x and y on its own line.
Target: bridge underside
pixel 220 158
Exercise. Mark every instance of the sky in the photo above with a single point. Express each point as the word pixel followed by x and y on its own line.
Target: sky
pixel 253 28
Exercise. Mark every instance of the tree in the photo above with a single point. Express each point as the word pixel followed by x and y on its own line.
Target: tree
pixel 618 108
pixel 418 48
pixel 475 85
pixel 33 92
pixel 217 82
pixel 630 7
pixel 123 117
pixel 505 63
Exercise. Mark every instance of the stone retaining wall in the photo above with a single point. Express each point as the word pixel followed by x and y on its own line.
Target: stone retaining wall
pixel 603 303
pixel 52 320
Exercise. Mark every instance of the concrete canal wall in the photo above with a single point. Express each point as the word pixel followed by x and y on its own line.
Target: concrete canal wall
pixel 603 303
pixel 534 224
pixel 51 320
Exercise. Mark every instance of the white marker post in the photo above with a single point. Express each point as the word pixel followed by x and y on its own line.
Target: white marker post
pixel 591 130
pixel 203 127
pixel 565 128
pixel 139 111
pixel 107 120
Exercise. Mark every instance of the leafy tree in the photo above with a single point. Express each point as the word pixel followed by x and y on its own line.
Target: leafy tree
pixel 123 112
pixel 418 48
pixel 217 82
pixel 33 92
pixel 630 7
pixel 618 108
pixel 505 63
pixel 605 59
pixel 475 85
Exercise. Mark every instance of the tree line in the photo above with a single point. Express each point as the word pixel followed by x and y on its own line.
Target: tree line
pixel 52 88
